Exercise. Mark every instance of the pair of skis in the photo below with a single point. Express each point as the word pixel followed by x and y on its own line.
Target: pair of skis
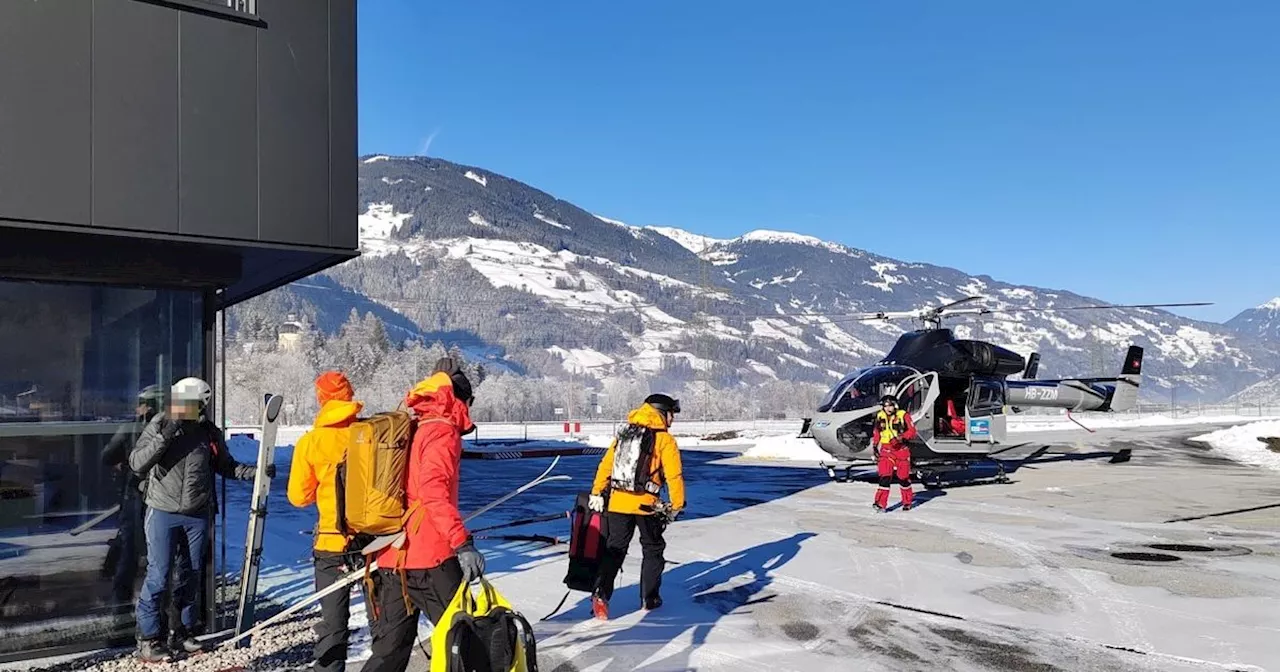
pixel 396 541
pixel 248 596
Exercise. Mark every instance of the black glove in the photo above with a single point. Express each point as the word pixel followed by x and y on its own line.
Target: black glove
pixel 471 560
pixel 271 471
pixel 169 429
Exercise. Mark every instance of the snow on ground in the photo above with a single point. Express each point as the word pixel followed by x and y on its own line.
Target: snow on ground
pixel 484 181
pixel 635 231
pixel 780 330
pixel 787 448
pixel 543 218
pixel 1242 443
pixel 579 359
pixel 376 226
pixel 887 280
pixel 693 242
pixel 1046 422
pixel 787 237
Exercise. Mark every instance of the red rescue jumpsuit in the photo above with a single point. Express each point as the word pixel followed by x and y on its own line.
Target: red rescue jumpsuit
pixel 894 460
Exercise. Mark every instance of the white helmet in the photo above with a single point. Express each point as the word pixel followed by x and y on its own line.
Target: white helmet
pixel 192 389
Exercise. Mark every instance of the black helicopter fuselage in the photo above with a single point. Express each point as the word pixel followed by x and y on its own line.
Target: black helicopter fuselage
pixel 939 350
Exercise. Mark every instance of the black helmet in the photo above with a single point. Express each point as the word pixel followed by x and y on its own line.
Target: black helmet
pixel 663 403
pixel 889 399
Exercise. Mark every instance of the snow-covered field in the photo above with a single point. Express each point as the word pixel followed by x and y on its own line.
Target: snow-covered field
pixel 1243 443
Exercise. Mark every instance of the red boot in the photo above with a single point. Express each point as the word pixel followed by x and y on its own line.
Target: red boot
pixel 882 499
pixel 599 608
pixel 908 496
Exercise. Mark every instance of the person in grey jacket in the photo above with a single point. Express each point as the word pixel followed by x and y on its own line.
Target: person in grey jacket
pixel 177 455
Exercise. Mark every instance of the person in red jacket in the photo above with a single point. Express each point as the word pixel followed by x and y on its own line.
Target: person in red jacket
pixel 893 428
pixel 438 553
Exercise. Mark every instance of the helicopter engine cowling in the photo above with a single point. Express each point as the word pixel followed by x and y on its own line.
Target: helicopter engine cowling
pixel 986 359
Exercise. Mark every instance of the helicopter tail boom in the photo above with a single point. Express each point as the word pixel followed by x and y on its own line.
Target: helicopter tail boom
pixel 1083 394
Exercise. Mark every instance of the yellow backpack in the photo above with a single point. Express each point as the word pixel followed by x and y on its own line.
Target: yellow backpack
pixel 482 634
pixel 373 477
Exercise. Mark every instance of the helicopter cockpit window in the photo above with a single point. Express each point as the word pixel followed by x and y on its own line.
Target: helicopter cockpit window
pixel 836 391
pixel 865 390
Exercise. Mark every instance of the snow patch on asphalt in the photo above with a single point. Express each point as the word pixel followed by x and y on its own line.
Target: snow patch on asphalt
pixel 1243 443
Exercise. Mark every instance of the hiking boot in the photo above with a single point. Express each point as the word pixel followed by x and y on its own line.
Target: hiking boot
pixel 599 608
pixel 189 645
pixel 877 508
pixel 652 603
pixel 153 651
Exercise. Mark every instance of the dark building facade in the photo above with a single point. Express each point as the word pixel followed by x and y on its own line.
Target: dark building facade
pixel 160 160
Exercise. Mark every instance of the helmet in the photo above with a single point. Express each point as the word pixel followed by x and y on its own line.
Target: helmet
pixel 889 399
pixel 663 403
pixel 192 389
pixel 150 393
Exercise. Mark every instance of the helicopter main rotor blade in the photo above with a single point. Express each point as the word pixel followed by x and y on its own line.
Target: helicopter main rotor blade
pixel 987 311
pixel 948 306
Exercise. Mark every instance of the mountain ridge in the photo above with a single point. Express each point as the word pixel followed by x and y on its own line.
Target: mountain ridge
pixel 554 289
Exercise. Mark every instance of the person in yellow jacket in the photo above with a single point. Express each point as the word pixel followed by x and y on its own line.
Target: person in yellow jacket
pixel 312 480
pixel 641 460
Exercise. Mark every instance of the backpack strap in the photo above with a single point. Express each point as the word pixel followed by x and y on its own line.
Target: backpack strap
pixel 368 585
pixel 404 588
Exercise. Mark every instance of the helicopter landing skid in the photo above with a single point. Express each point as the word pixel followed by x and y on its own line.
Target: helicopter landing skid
pixel 848 468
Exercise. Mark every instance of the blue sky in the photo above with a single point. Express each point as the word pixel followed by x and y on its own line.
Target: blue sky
pixel 1128 151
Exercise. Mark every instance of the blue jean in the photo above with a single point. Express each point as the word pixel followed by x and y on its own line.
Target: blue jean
pixel 162 528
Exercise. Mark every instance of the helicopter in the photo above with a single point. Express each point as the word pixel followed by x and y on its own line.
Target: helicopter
pixel 957 392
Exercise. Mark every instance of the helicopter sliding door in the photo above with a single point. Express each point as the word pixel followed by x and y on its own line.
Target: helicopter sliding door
pixel 916 395
pixel 984 412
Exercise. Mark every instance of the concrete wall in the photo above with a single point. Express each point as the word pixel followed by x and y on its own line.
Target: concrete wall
pixel 158 116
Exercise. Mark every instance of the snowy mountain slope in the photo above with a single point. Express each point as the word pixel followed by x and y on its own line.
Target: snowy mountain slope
pixel 1265 392
pixel 1262 322
pixel 462 249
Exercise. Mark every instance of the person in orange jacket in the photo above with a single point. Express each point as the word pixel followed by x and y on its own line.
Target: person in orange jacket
pixel 631 485
pixel 893 429
pixel 438 553
pixel 312 480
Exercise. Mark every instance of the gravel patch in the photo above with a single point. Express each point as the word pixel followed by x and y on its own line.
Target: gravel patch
pixel 286 646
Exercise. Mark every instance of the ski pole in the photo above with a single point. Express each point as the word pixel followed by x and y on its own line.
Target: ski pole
pixel 526 521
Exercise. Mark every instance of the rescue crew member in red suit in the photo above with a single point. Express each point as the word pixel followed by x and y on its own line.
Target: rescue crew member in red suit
pixel 893 428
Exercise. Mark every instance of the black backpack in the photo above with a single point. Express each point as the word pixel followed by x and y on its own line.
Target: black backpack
pixel 491 643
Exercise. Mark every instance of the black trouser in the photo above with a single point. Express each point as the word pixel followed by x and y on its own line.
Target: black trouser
pixel 395 627
pixel 333 631
pixel 619 528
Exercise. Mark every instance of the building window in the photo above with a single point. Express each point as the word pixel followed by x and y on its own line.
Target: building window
pixel 73 362
pixel 242 6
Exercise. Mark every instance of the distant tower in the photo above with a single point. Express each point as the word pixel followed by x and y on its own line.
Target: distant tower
pixel 290 334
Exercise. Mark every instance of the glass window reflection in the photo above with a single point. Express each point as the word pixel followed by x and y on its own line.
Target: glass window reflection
pixel 80 367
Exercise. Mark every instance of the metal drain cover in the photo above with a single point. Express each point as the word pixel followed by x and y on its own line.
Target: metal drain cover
pixel 1182 548
pixel 1139 556
pixel 1200 550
